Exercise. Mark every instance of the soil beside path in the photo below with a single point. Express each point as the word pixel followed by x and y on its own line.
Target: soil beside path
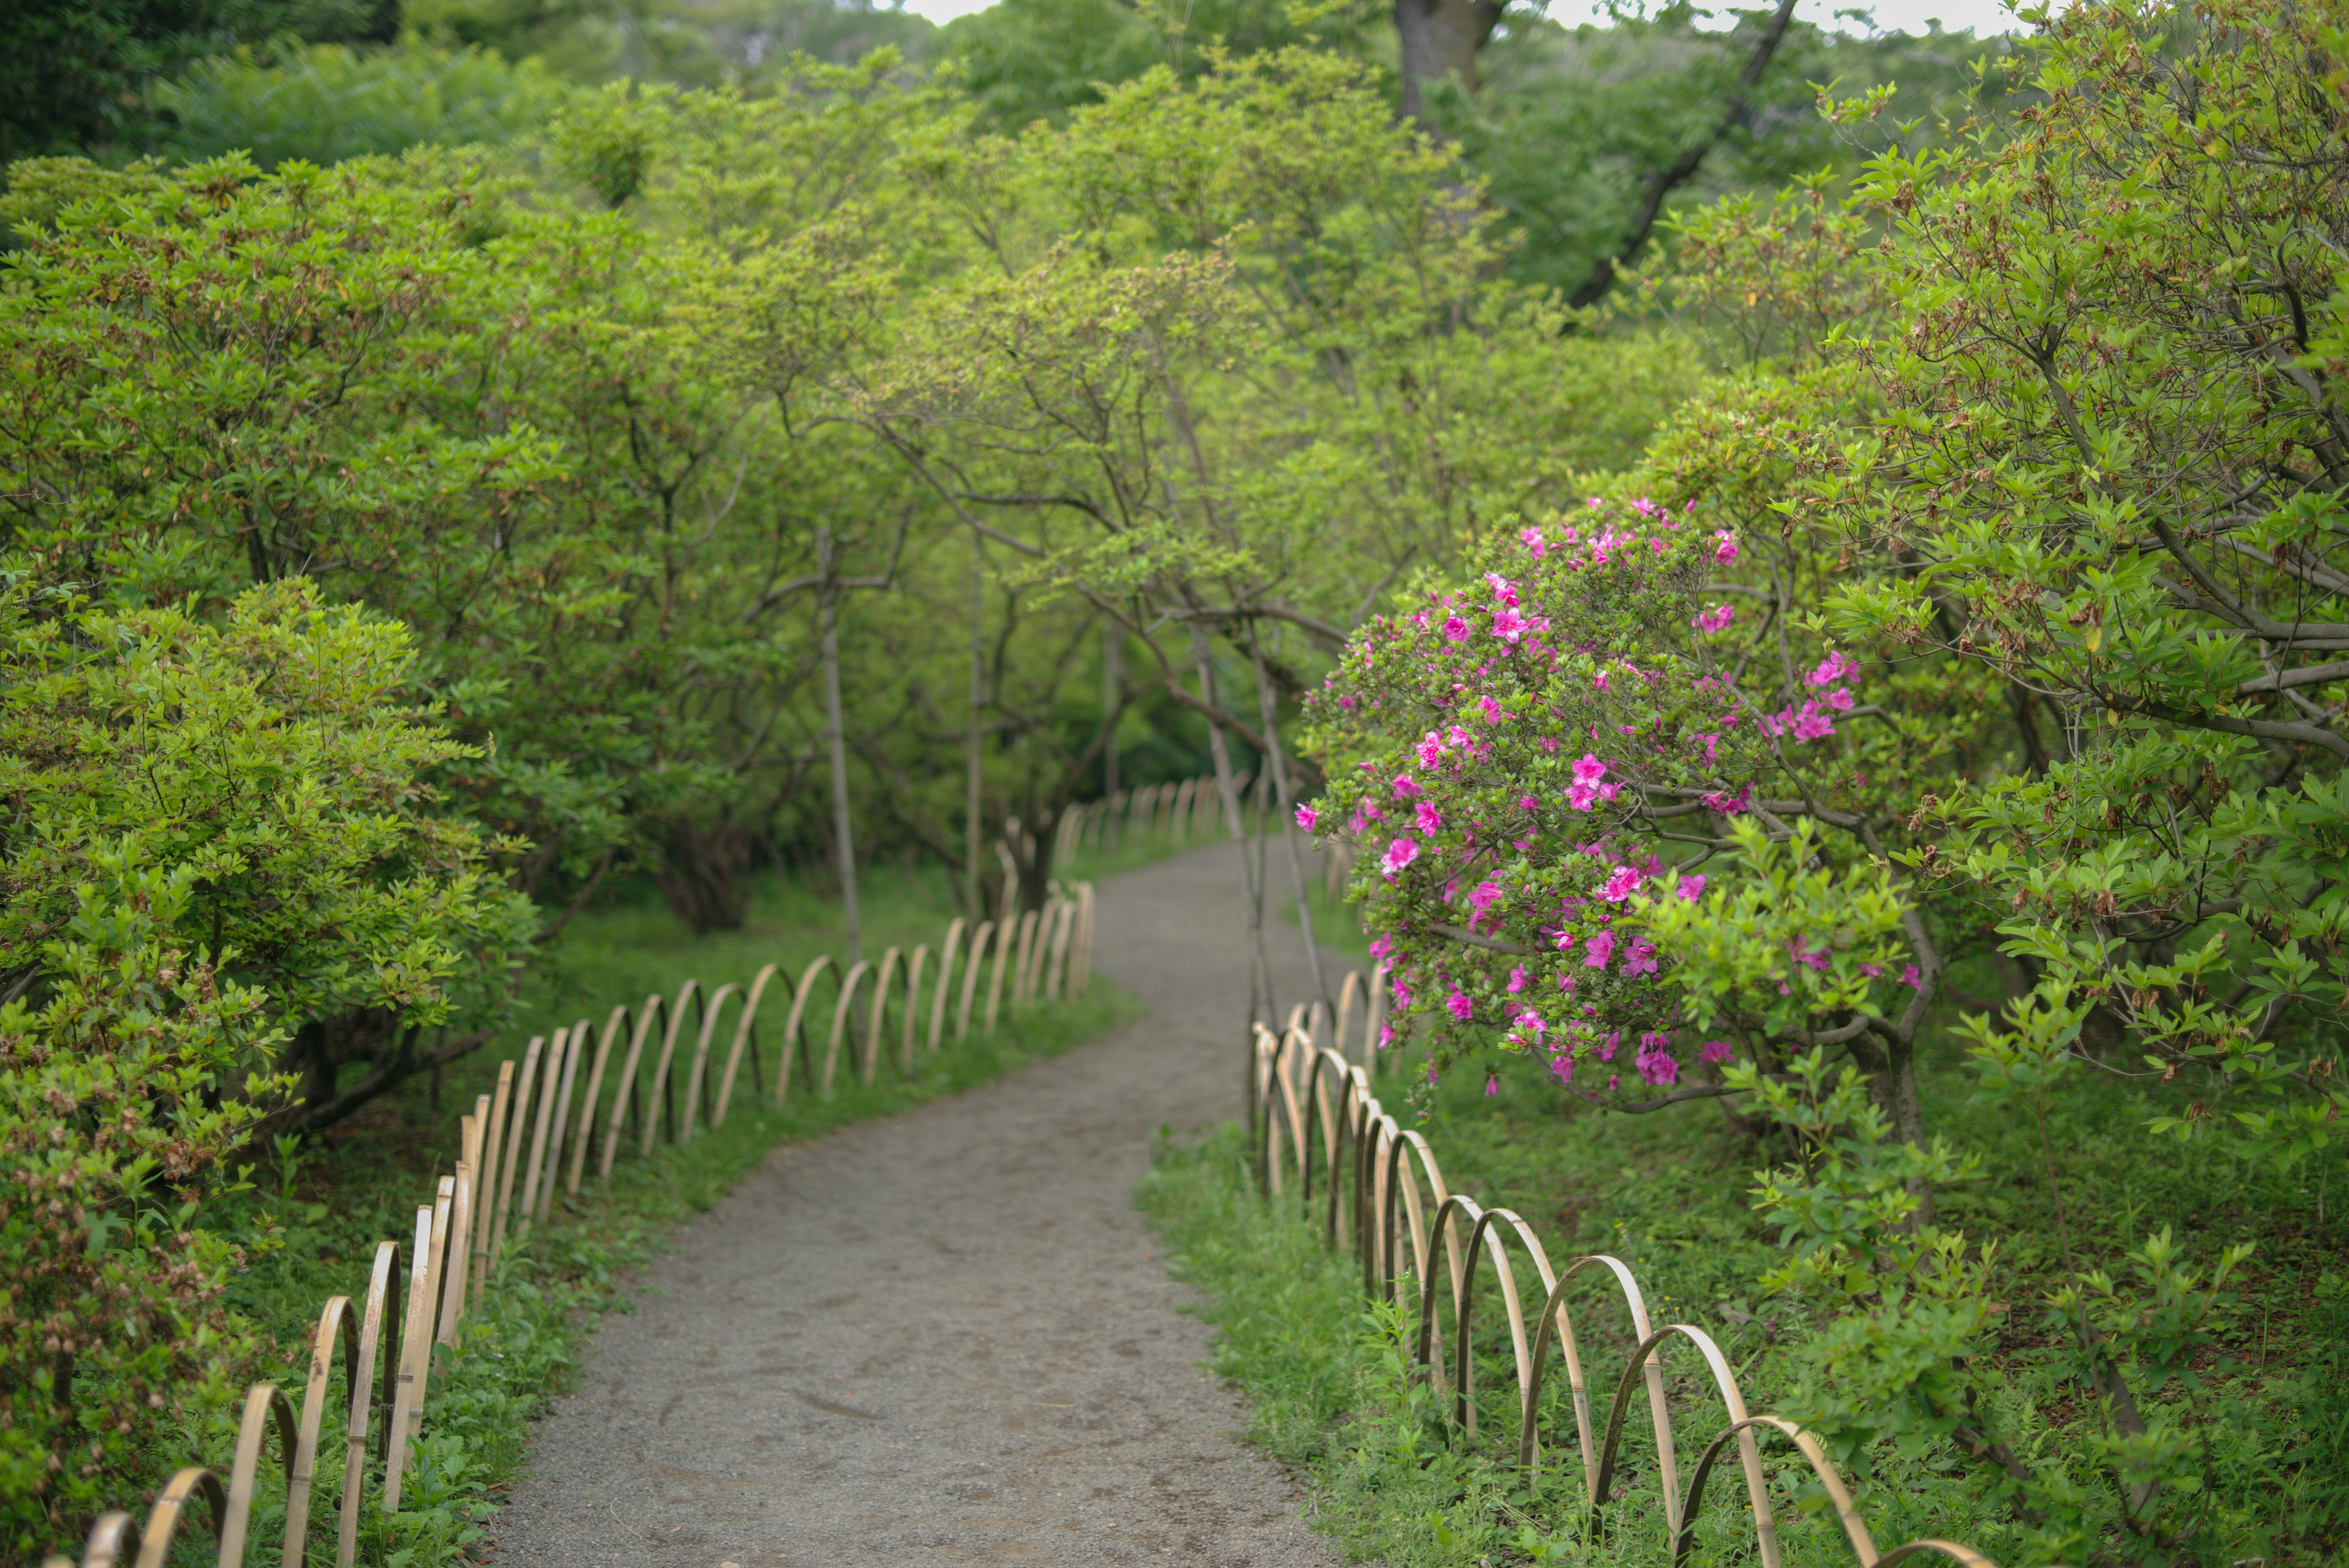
pixel 945 1336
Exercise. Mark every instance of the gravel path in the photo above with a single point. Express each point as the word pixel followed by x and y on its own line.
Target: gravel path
pixel 945 1336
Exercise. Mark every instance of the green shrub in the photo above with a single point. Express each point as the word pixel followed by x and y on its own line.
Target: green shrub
pixel 113 1131
pixel 325 103
pixel 272 766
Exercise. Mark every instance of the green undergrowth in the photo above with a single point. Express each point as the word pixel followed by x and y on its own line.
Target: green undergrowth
pixel 1393 1478
pixel 317 1210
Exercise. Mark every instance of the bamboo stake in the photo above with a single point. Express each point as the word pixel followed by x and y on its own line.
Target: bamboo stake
pixel 512 1127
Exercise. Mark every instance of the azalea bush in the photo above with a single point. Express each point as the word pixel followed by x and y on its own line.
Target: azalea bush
pixel 276 763
pixel 1621 805
pixel 124 1094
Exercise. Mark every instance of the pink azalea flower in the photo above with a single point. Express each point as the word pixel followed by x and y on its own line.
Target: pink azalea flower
pixel 1431 749
pixel 1606 1047
pixel 1909 977
pixel 1534 541
pixel 1871 970
pixel 1503 589
pixel 1656 1063
pixel 1517 980
pixel 1622 883
pixel 1430 819
pixel 1726 550
pixel 1589 770
pixel 1835 667
pixel 1485 896
pixel 1491 708
pixel 1386 1035
pixel 1401 994
pixel 1306 817
pixel 1508 624
pixel 1400 853
pixel 1840 699
pixel 1582 796
pixel 1460 1005
pixel 1717 618
pixel 1693 888
pixel 1599 948
pixel 1717 1051
pixel 1382 947
pixel 1406 787
pixel 1813 726
pixel 1492 1085
pixel 1455 630
pixel 1641 957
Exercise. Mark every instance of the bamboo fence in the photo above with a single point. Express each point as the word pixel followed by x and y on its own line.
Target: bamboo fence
pixel 547 1120
pixel 1314 1114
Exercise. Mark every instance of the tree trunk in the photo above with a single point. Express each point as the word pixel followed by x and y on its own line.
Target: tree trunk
pixel 1267 711
pixel 835 736
pixel 1439 39
pixel 1113 702
pixel 972 756
pixel 1260 1002
pixel 704 873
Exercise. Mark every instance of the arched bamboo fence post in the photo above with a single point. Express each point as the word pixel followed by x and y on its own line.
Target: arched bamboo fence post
pixel 948 949
pixel 586 1134
pixel 171 1505
pixel 664 1067
pixel 1056 972
pixel 500 1103
pixel 623 1088
pixel 1854 1529
pixel 792 1026
pixel 337 1329
pixel 550 1068
pixel 696 1078
pixel 380 1326
pixel 972 967
pixel 404 1389
pixel 1084 958
pixel 460 1225
pixel 518 1109
pixel 746 1034
pixel 266 1410
pixel 1003 935
pixel 914 967
pixel 840 1023
pixel 868 1064
pixel 1022 962
pixel 572 1057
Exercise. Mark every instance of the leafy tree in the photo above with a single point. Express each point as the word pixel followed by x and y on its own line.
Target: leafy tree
pixel 1268 318
pixel 1025 60
pixel 273 765
pixel 1590 139
pixel 2110 470
pixel 325 102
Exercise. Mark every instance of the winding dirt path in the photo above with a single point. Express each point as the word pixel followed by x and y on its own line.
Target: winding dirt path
pixel 944 1337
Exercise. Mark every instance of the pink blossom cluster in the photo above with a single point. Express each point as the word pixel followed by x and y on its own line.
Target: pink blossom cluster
pixel 1588 789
